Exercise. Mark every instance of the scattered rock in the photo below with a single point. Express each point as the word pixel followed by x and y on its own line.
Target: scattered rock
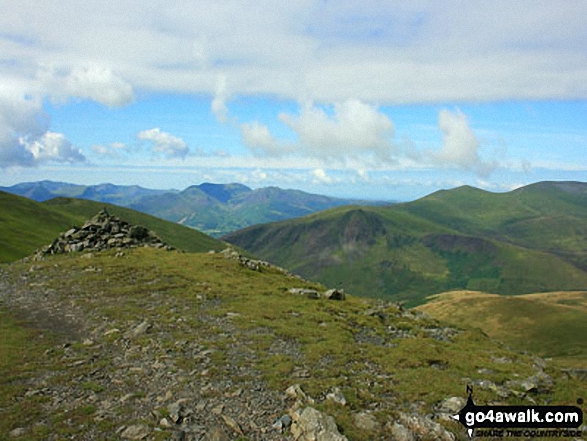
pixel 17 433
pixel 297 393
pixel 255 265
pixel 139 330
pixel 576 373
pixel 365 421
pixel 450 406
pixel 136 432
pixel 310 424
pixel 282 423
pixel 232 424
pixel 336 396
pixel 176 411
pixel 216 434
pixel 310 293
pixel 400 433
pixel 422 427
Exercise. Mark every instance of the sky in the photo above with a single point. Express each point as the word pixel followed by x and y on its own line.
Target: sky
pixel 383 100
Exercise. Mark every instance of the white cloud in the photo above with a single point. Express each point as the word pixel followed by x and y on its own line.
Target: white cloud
pixel 170 146
pixel 384 52
pixel 18 117
pixel 321 177
pixel 259 139
pixel 460 146
pixel 218 106
pixel 93 82
pixel 112 150
pixel 354 128
pixel 24 139
pixel 54 147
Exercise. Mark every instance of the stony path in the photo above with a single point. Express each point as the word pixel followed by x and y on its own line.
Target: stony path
pixel 138 379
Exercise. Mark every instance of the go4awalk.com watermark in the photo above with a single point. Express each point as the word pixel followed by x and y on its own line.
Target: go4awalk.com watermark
pixel 520 421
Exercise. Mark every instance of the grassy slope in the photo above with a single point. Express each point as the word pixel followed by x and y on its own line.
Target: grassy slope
pixel 525 241
pixel 551 324
pixel 385 377
pixel 26 225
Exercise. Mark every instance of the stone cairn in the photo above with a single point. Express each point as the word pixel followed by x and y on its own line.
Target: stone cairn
pixel 103 232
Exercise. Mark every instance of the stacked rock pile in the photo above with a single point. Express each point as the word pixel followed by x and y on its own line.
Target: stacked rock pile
pixel 103 232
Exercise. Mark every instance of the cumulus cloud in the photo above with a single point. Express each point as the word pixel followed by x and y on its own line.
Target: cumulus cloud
pixel 352 129
pixel 320 176
pixel 93 82
pixel 460 146
pixel 18 118
pixel 162 142
pixel 24 138
pixel 259 139
pixel 54 147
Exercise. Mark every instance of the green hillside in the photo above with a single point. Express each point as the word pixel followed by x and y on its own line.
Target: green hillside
pixel 26 225
pixel 533 239
pixel 551 324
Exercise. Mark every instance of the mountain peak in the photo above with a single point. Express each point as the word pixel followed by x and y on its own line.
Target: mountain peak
pixel 223 192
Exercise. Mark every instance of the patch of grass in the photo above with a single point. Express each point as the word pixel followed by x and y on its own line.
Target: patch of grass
pixel 549 324
pixel 21 351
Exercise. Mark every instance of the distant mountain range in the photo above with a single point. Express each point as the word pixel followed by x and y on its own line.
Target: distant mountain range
pixel 532 239
pixel 215 209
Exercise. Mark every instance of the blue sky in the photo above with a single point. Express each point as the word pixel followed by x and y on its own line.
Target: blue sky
pixel 384 100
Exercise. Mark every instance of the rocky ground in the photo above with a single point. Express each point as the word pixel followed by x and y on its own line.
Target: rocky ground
pixel 127 372
pixel 129 356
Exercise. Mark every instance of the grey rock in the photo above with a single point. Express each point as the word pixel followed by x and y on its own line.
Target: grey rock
pixel 216 434
pixel 451 406
pixel 282 423
pixel 295 391
pixel 310 293
pixel 334 294
pixel 17 433
pixel 175 412
pixel 310 424
pixel 336 396
pixel 365 421
pixel 424 428
pixel 102 232
pixel 139 330
pixel 576 373
pixel 400 433
pixel 230 422
pixel 136 432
